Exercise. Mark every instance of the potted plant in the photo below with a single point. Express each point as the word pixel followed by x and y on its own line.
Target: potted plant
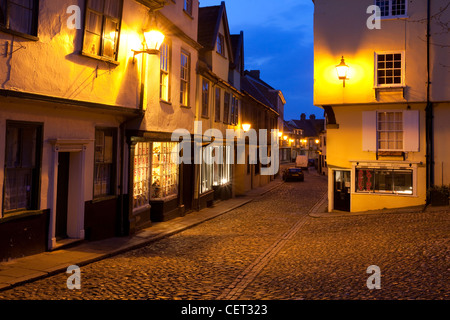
pixel 439 195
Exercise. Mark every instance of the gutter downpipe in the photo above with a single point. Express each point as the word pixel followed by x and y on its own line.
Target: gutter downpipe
pixel 429 113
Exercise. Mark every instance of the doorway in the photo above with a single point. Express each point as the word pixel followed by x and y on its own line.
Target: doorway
pixel 342 190
pixel 62 197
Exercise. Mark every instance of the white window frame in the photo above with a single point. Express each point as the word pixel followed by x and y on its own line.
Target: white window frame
pixel 387 130
pixel 390 16
pixel 165 66
pixel 390 85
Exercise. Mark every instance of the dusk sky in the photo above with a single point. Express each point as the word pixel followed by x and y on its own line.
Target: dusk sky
pixel 279 42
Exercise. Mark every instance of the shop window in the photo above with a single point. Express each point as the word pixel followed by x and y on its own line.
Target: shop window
pixel 384 181
pixel 141 181
pixel 22 167
pixel 222 169
pixel 104 163
pixel 207 168
pixel 164 171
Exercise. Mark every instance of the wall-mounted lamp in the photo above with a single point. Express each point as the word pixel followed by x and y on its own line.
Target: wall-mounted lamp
pixel 246 127
pixel 153 40
pixel 285 137
pixel 317 141
pixel 280 134
pixel 342 70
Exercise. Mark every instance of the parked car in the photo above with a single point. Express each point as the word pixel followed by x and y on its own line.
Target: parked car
pixel 293 174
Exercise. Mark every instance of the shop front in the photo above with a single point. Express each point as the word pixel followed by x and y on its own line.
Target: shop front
pixel 155 181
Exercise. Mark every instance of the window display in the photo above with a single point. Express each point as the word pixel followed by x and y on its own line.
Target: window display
pixel 141 174
pixel 164 170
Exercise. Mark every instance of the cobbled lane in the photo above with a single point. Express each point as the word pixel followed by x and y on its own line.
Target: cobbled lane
pixel 272 249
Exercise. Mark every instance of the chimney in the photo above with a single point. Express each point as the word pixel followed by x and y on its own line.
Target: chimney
pixel 303 116
pixel 255 73
pixel 312 117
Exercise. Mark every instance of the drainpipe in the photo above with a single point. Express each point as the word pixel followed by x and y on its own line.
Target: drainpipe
pixel 429 112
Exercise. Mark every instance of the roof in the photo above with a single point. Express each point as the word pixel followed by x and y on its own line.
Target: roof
pixel 264 94
pixel 209 19
pixel 310 127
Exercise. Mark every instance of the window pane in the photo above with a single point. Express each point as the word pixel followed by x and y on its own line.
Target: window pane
pixel 112 8
pixel 97 5
pixel 109 40
pixel 403 182
pixel 383 181
pixel 104 162
pixel 20 18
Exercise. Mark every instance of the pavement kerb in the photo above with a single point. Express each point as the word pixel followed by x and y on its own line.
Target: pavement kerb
pixel 61 268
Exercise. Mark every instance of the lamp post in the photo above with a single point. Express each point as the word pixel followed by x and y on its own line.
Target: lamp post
pixel 342 71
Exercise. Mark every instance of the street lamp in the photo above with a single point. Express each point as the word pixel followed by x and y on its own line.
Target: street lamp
pixel 246 127
pixel 153 40
pixel 342 70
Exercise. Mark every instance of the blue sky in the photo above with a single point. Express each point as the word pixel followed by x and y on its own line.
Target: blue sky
pixel 278 39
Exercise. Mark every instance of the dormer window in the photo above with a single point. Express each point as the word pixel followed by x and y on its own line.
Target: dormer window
pixel 221 44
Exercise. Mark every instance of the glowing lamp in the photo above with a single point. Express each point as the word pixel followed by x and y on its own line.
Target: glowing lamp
pixel 246 126
pixel 285 137
pixel 342 70
pixel 153 39
pixel 280 134
pixel 317 141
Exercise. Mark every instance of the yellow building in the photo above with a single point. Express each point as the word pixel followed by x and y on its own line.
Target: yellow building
pixel 388 112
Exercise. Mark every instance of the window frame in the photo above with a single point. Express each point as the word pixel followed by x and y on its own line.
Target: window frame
pixel 205 98
pixel 390 16
pixel 34 25
pixel 217 104
pixel 166 73
pixel 374 172
pixel 226 107
pixel 390 130
pixel 188 6
pixel 184 100
pixel 35 170
pixel 113 175
pixel 376 69
pixel 103 19
pixel 220 46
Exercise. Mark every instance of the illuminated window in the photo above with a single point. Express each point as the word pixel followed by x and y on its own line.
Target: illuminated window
pixel 104 163
pixel 22 166
pixel 164 171
pixel 392 8
pixel 390 130
pixel 389 69
pixel 205 98
pixel 141 180
pixel 184 79
pixel 164 54
pixel 101 32
pixel 384 181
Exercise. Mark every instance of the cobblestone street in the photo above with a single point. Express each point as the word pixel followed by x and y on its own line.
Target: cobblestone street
pixel 272 249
